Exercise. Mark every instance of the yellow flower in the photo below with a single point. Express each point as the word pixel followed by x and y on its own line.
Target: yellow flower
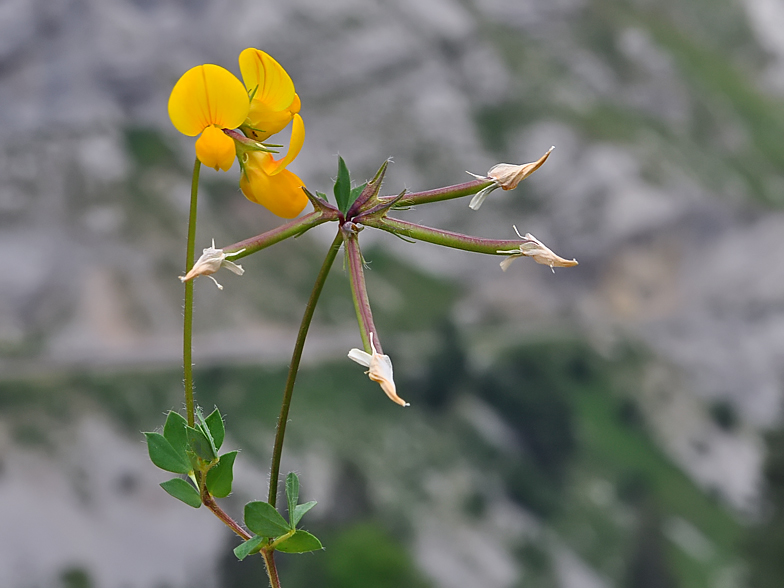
pixel 266 181
pixel 274 102
pixel 205 100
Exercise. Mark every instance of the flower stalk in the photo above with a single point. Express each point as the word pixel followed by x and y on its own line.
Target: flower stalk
pixel 446 193
pixel 379 365
pixel 290 229
pixel 187 330
pixel 367 329
pixel 277 450
pixel 443 238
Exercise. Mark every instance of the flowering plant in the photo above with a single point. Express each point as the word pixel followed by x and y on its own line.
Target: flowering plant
pixel 233 121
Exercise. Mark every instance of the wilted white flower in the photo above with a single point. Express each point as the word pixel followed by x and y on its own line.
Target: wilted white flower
pixel 506 176
pixel 480 196
pixel 379 370
pixel 211 261
pixel 538 251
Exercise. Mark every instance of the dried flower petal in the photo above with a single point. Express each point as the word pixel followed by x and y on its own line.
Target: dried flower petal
pixel 480 196
pixel 538 251
pixel 508 175
pixel 379 370
pixel 211 261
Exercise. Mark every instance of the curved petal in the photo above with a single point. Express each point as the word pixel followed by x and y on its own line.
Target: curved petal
pixel 215 149
pixel 295 105
pixel 273 166
pixel 281 194
pixel 271 83
pixel 207 95
pixel 267 121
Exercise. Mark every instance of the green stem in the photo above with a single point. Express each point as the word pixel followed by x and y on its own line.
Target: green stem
pixel 187 329
pixel 359 293
pixel 294 366
pixel 276 235
pixel 445 238
pixel 447 193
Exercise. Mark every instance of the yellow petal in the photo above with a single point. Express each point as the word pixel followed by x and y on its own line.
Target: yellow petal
pixel 271 83
pixel 266 120
pixel 281 194
pixel 207 95
pixel 295 105
pixel 295 145
pixel 215 149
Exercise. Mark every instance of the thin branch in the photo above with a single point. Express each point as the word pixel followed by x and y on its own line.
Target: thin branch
pixel 445 238
pixel 277 450
pixel 278 234
pixel 187 330
pixel 447 193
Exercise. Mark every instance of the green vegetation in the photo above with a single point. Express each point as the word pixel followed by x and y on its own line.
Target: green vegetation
pixel 148 147
pixel 583 460
pixel 731 135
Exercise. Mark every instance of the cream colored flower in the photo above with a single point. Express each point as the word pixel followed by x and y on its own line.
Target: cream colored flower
pixel 538 251
pixel 379 370
pixel 211 261
pixel 506 176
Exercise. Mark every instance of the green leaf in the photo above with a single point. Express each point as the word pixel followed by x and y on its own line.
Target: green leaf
pixel 220 476
pixel 202 426
pixel 264 520
pixel 249 547
pixel 199 444
pixel 300 542
pixel 182 490
pixel 322 195
pixel 299 512
pixel 164 455
pixel 214 423
pixel 174 431
pixel 292 493
pixel 342 187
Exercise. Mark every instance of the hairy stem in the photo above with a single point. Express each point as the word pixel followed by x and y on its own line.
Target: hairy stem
pixel 272 571
pixel 187 329
pixel 277 450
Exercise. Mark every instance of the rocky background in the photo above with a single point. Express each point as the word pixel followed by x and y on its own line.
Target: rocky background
pixel 606 425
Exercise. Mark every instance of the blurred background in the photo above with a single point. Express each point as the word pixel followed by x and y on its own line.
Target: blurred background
pixel 611 425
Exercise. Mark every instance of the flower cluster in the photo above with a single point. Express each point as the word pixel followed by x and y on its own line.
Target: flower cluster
pixel 233 118
pixel 211 102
